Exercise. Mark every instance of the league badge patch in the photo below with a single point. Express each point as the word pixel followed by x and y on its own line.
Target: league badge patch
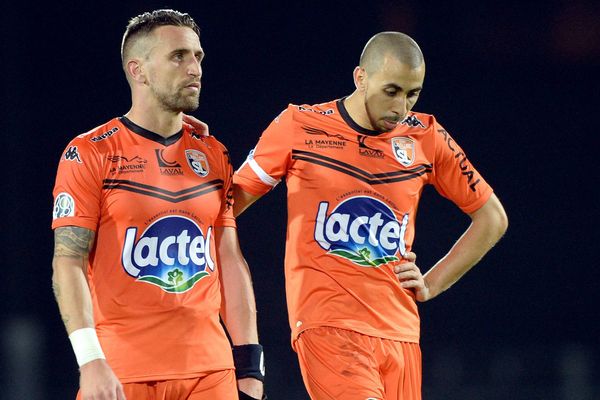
pixel 404 150
pixel 198 162
pixel 64 206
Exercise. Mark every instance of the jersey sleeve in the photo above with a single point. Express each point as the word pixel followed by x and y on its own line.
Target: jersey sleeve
pixel 226 217
pixel 454 177
pixel 269 161
pixel 78 187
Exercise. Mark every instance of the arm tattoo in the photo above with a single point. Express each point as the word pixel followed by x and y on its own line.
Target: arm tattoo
pixel 71 241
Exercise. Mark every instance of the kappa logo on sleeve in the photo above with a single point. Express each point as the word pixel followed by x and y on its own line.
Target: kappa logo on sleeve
pixel 412 121
pixel 72 154
pixel 105 135
pixel 64 206
pixel 328 111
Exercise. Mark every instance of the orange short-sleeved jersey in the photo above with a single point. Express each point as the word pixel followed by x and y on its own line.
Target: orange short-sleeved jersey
pixel 154 204
pixel 352 200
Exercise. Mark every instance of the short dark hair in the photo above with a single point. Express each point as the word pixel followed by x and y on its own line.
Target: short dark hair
pixel 145 23
pixel 397 44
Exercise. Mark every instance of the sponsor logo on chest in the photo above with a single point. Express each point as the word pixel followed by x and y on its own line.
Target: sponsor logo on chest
pixel 169 168
pixel 125 165
pixel 173 253
pixel 362 230
pixel 320 139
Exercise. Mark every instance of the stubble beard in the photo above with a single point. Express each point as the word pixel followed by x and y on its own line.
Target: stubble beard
pixel 177 102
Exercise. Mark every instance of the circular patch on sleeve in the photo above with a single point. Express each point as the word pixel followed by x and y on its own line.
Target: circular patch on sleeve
pixel 64 206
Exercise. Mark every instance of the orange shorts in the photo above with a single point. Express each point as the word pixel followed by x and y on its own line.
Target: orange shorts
pixel 338 364
pixel 216 385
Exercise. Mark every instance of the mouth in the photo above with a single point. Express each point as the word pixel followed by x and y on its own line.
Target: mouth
pixel 193 86
pixel 390 124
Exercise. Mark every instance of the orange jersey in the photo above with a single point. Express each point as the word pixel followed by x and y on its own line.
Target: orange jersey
pixel 154 204
pixel 352 198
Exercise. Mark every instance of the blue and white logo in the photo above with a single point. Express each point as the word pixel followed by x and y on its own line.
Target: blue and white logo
pixel 362 230
pixel 172 253
pixel 64 206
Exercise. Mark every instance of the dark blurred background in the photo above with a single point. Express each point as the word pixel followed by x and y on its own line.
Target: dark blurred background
pixel 516 85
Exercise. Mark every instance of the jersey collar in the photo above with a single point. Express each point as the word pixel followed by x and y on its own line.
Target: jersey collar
pixel 129 124
pixel 348 119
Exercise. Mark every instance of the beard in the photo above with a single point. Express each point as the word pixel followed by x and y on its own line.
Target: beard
pixel 177 102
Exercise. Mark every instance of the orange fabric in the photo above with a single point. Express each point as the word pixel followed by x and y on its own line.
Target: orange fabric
pixel 154 205
pixel 352 201
pixel 337 364
pixel 216 385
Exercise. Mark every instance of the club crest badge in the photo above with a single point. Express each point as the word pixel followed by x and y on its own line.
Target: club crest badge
pixel 404 150
pixel 198 162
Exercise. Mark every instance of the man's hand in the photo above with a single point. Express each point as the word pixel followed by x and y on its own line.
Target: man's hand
pixel 252 387
pixel 410 277
pixel 199 126
pixel 98 382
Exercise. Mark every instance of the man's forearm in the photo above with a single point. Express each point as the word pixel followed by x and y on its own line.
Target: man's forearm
pixel 72 295
pixel 69 283
pixel 487 227
pixel 238 308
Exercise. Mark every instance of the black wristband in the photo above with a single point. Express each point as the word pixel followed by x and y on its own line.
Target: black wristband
pixel 244 396
pixel 249 361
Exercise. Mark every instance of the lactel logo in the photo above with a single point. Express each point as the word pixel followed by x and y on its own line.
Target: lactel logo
pixel 172 253
pixel 362 230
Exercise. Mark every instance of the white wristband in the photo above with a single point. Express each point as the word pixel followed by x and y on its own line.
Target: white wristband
pixel 86 345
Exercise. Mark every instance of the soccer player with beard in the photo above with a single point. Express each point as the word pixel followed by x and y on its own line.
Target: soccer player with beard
pixel 355 168
pixel 146 253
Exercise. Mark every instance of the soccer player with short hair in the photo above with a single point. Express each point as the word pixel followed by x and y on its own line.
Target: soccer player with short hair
pixel 355 169
pixel 146 256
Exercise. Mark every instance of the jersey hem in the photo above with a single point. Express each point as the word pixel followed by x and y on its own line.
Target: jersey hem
pixel 398 336
pixel 482 200
pixel 250 186
pixel 66 221
pixel 167 377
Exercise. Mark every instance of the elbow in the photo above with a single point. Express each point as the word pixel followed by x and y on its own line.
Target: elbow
pixel 503 222
pixel 500 223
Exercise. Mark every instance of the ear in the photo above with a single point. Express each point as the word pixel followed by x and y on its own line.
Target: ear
pixel 136 71
pixel 360 79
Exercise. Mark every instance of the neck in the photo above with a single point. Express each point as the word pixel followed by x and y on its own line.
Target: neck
pixel 357 110
pixel 155 119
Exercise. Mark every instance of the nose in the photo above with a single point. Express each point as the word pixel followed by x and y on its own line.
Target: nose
pixel 195 69
pixel 400 106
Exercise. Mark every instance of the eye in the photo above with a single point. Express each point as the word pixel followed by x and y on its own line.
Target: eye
pixel 390 93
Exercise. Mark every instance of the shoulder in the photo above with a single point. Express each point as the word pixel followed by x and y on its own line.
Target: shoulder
pixel 308 112
pixel 322 109
pixel 209 143
pixel 420 121
pixel 93 140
